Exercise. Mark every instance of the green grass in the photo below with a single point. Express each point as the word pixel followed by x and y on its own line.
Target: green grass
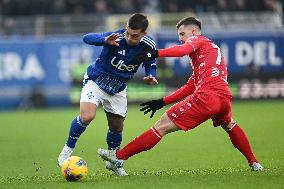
pixel 202 158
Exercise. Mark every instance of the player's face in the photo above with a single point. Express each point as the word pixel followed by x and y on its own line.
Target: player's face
pixel 184 32
pixel 133 37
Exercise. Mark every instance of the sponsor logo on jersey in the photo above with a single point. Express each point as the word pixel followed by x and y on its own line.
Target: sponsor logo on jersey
pixel 121 66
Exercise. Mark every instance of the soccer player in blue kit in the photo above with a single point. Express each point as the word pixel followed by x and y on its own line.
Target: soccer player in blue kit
pixel 105 82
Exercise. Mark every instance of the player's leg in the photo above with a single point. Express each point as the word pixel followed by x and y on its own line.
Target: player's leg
pixel 241 142
pixel 80 123
pixel 115 109
pixel 184 115
pixel 148 139
pixel 77 127
pixel 144 142
pixel 114 138
pixel 88 105
pixel 114 134
pixel 237 136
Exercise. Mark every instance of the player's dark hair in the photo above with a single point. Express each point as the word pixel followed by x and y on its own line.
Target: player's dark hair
pixel 189 21
pixel 138 21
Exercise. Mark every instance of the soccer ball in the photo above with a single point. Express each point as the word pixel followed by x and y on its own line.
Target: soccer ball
pixel 74 168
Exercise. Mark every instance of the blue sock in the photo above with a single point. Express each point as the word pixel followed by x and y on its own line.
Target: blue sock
pixel 113 139
pixel 76 129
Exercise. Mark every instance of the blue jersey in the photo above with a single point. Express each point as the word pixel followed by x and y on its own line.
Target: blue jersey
pixel 115 66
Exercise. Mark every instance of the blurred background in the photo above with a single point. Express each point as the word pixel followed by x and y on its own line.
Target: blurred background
pixel 43 58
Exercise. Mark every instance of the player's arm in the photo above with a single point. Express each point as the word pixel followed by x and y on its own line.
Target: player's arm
pixel 173 51
pixel 150 73
pixel 101 39
pixel 176 50
pixel 181 93
pixel 178 95
pixel 150 66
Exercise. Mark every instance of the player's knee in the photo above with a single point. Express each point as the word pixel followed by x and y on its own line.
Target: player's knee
pixel 87 117
pixel 160 128
pixel 163 125
pixel 229 126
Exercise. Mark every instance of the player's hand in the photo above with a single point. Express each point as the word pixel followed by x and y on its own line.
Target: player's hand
pixel 150 80
pixel 111 39
pixel 153 106
pixel 147 55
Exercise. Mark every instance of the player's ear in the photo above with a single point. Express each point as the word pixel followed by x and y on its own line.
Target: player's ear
pixel 194 31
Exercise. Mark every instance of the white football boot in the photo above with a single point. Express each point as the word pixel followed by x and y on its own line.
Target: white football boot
pixel 119 171
pixel 64 154
pixel 256 166
pixel 109 155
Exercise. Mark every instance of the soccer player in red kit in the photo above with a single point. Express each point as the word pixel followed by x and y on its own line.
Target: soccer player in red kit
pixel 205 96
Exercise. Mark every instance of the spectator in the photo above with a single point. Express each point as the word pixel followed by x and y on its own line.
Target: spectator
pixel 58 7
pixel 124 7
pixel 239 5
pixel 33 7
pixel 221 5
pixel 150 6
pixel 101 7
pixel 270 5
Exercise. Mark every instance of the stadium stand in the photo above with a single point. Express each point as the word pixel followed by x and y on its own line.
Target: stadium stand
pixel 39 17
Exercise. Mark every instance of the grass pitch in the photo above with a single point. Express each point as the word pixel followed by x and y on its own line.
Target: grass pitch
pixel 202 158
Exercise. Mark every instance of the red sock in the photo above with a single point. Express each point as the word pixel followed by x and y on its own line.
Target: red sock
pixel 144 142
pixel 240 141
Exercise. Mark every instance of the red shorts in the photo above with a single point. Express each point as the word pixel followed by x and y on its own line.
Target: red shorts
pixel 198 108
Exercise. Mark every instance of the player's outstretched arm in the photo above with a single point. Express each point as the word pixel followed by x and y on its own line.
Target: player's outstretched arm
pixel 100 39
pixel 174 51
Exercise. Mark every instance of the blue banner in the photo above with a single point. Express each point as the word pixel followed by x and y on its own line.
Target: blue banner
pixel 41 66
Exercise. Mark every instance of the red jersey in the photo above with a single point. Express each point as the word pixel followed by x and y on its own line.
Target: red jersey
pixel 209 71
